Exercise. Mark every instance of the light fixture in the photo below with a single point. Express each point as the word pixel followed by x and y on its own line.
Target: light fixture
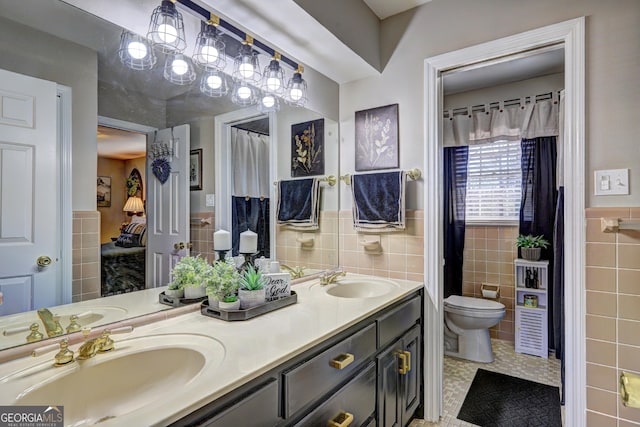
pixel 269 103
pixel 166 29
pixel 178 69
pixel 297 89
pixel 273 77
pixel 135 52
pixel 244 94
pixel 214 83
pixel 134 205
pixel 208 52
pixel 246 66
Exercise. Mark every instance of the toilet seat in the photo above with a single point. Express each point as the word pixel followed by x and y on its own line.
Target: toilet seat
pixel 474 307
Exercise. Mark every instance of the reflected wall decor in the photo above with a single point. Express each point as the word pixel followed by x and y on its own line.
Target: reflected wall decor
pixel 195 169
pixel 104 191
pixel 377 138
pixel 307 148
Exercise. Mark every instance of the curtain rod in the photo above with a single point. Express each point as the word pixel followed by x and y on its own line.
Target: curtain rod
pixel 506 103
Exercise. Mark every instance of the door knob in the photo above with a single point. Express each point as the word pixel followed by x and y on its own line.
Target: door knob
pixel 43 261
pixel 178 246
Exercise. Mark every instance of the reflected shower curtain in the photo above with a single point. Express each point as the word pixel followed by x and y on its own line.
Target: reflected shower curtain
pixel 455 193
pixel 250 205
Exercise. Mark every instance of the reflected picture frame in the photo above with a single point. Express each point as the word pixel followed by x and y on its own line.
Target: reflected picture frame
pixel 103 192
pixel 195 169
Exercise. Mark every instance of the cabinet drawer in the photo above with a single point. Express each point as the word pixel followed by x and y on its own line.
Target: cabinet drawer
pixel 398 320
pixel 357 398
pixel 258 409
pixel 313 378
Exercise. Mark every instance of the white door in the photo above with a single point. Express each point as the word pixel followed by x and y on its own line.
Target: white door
pixel 167 204
pixel 29 205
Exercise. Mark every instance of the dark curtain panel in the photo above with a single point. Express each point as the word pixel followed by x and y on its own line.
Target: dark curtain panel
pixel 252 214
pixel 538 206
pixel 558 284
pixel 455 192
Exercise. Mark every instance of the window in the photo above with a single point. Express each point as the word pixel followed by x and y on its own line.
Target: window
pixel 494 179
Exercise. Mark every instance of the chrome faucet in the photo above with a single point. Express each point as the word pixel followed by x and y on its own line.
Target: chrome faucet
pixel 331 277
pixel 51 323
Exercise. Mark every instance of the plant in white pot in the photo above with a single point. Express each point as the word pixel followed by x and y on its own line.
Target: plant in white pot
pixel 222 283
pixel 531 246
pixel 230 302
pixel 251 292
pixel 189 274
pixel 175 290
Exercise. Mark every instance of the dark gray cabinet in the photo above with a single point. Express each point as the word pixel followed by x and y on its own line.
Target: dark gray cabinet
pixel 399 380
pixel 366 376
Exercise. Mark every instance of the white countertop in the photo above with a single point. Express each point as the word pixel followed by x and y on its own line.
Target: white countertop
pixel 251 347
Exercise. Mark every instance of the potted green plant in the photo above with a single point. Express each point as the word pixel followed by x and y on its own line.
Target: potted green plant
pixel 531 246
pixel 222 283
pixel 175 290
pixel 251 292
pixel 189 274
pixel 230 302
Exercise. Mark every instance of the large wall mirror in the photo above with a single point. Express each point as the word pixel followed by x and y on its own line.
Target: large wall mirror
pixel 69 46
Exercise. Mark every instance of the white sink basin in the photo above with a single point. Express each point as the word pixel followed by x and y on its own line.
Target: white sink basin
pixel 360 288
pixel 138 374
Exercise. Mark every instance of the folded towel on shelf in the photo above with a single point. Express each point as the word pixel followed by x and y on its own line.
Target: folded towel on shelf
pixel 299 203
pixel 378 201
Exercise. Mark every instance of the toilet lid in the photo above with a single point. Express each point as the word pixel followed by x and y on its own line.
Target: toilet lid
pixel 470 302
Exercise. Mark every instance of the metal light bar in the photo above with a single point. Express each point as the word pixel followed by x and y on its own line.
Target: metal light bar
pixel 235 31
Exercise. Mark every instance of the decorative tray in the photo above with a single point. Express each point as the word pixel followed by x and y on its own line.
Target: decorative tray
pixel 178 302
pixel 233 315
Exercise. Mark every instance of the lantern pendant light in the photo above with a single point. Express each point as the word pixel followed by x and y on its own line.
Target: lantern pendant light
pixel 246 66
pixel 297 89
pixel 166 29
pixel 135 51
pixel 208 52
pixel 179 70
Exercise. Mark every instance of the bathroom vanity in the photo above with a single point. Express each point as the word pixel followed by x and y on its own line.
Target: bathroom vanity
pixel 353 359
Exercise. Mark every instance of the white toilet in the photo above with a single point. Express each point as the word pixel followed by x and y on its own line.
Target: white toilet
pixel 466 332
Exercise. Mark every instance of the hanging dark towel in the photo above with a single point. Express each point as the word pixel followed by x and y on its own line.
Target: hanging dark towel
pixel 299 203
pixel 378 201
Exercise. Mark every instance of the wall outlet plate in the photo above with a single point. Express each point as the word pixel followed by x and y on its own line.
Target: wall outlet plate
pixel 611 182
pixel 210 200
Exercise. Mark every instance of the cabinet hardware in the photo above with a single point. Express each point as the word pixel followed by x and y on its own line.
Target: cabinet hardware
pixel 344 419
pixel 342 361
pixel 408 354
pixel 402 369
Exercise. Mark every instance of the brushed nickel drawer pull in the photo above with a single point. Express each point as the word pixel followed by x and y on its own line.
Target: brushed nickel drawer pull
pixel 342 361
pixel 343 419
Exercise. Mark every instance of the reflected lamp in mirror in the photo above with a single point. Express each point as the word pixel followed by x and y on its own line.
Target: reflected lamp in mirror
pixel 135 52
pixel 134 205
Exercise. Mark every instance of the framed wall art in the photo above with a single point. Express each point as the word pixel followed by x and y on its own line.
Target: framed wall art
pixel 377 138
pixel 195 169
pixel 307 148
pixel 104 191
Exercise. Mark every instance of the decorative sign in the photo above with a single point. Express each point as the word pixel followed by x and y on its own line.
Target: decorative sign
pixel 278 286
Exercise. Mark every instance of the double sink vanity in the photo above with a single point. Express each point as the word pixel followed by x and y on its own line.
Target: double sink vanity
pixel 347 353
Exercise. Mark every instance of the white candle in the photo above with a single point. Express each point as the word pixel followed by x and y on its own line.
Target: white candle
pixel 248 242
pixel 221 240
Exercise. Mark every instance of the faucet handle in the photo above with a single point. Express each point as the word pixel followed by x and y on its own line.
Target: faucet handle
pixel 74 326
pixel 35 334
pixel 107 342
pixel 62 357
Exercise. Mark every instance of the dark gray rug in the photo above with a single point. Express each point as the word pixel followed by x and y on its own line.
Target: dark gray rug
pixel 499 400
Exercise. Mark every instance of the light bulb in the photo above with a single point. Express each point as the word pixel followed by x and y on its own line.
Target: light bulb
pixel 214 82
pixel 295 94
pixel 273 84
pixel 179 66
pixel 137 50
pixel 246 70
pixel 209 54
pixel 244 92
pixel 268 101
pixel 167 33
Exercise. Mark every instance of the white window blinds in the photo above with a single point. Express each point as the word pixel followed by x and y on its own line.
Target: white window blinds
pixel 494 179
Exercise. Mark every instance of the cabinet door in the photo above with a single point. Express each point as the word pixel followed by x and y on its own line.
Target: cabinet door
pixel 389 400
pixel 410 382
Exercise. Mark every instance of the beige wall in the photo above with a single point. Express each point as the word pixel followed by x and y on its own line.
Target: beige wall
pixel 111 217
pixel 613 316
pixel 612 61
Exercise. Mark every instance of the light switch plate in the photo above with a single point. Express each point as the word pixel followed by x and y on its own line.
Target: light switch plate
pixel 611 182
pixel 210 200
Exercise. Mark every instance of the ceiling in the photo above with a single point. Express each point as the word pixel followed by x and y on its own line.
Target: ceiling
pixel 387 8
pixel 121 145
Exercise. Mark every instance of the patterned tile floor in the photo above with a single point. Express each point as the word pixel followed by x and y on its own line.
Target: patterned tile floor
pixel 458 375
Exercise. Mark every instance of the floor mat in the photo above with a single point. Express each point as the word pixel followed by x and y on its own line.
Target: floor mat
pixel 499 400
